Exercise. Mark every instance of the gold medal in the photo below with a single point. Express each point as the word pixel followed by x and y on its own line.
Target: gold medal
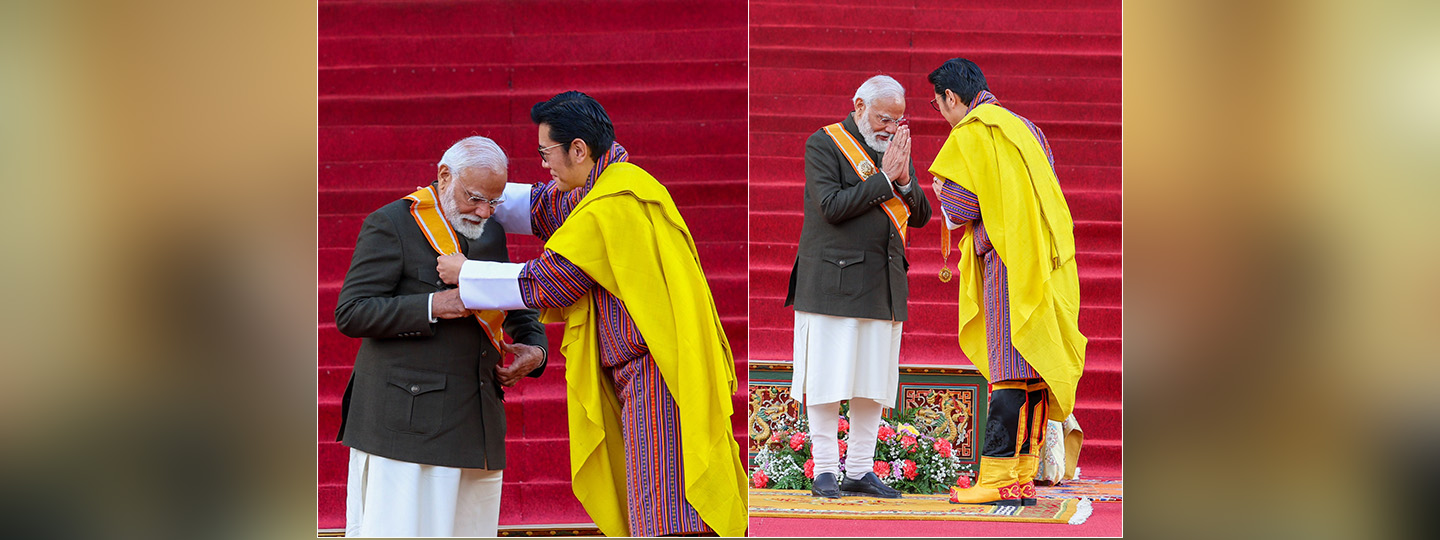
pixel 866 169
pixel 944 253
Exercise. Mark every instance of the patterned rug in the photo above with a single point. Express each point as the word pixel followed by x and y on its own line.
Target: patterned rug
pixel 1099 490
pixel 795 503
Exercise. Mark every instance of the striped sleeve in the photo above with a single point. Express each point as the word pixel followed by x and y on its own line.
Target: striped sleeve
pixel 552 281
pixel 959 204
pixel 549 207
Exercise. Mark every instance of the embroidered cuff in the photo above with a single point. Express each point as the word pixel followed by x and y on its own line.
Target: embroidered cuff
pixel 491 285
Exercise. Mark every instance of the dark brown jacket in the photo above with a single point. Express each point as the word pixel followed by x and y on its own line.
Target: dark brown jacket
pixel 851 261
pixel 421 392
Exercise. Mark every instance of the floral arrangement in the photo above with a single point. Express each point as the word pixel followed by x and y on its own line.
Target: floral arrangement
pixel 905 459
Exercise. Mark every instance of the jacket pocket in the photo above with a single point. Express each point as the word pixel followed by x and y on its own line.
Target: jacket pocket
pixel 840 272
pixel 414 400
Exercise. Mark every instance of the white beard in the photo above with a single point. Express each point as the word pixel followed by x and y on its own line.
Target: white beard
pixel 469 226
pixel 870 136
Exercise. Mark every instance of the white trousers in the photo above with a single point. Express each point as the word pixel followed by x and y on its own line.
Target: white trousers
pixel 840 358
pixel 387 497
pixel 864 427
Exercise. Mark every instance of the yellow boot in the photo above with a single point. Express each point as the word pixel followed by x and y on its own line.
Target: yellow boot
pixel 1026 466
pixel 1028 463
pixel 996 485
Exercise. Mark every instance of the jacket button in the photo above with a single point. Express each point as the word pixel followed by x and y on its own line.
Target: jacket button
pixel 841 263
pixel 414 389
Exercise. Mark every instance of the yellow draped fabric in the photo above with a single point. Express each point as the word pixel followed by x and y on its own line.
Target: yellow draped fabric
pixel 993 154
pixel 628 236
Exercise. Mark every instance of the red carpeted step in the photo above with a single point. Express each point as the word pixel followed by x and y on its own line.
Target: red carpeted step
pixel 880 59
pixel 522 17
pixel 505 49
pixel 419 80
pixel 832 89
pixel 469 108
pixel 943 18
pixel 801 34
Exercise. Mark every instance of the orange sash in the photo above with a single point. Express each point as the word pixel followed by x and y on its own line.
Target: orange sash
pixel 432 222
pixel 894 207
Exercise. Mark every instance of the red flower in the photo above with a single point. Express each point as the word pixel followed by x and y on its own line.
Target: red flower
pixel 810 468
pixel 759 479
pixel 908 442
pixel 963 481
pixel 844 425
pixel 911 470
pixel 797 441
pixel 882 469
pixel 843 447
pixel 885 433
pixel 942 446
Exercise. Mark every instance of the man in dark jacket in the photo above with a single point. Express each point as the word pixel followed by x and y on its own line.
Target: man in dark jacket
pixel 422 414
pixel 848 285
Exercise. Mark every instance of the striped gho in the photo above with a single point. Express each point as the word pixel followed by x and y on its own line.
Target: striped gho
pixel 426 211
pixel 894 207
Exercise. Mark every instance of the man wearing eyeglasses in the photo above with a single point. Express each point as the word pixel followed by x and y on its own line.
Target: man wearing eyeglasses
pixel 649 373
pixel 422 414
pixel 849 285
pixel 1019 290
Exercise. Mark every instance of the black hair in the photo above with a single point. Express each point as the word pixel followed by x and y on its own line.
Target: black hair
pixel 960 76
pixel 574 115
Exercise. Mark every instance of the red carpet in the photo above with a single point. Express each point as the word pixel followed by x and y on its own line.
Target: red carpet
pixel 400 82
pixel 1055 62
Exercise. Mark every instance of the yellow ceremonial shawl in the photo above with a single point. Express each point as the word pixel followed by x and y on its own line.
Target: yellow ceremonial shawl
pixel 627 235
pixel 992 153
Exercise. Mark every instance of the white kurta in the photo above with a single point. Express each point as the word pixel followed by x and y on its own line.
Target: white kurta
pixel 387 497
pixel 839 358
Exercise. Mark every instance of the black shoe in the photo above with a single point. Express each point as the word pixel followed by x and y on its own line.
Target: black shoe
pixel 868 486
pixel 825 486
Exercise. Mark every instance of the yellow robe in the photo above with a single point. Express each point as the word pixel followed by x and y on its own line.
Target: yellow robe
pixel 627 235
pixel 993 154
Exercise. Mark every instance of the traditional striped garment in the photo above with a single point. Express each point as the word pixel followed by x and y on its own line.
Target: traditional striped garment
pixel 961 205
pixel 649 417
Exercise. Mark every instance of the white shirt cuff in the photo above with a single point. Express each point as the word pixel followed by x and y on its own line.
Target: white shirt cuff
pixel 491 285
pixel 949 224
pixel 907 187
pixel 514 213
pixel 430 308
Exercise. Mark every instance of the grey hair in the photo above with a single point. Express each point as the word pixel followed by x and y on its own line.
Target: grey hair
pixel 879 86
pixel 475 151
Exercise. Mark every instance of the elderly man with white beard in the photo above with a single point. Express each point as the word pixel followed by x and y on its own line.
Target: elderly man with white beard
pixel 422 414
pixel 849 285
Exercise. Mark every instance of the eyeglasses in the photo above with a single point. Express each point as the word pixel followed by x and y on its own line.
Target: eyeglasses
pixel 476 200
pixel 543 156
pixel 886 121
pixel 934 105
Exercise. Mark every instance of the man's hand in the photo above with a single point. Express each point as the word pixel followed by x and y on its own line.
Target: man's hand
pixel 937 184
pixel 896 162
pixel 446 304
pixel 449 268
pixel 527 358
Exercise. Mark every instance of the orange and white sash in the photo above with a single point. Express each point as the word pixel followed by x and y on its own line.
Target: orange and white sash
pixel 432 222
pixel 894 207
